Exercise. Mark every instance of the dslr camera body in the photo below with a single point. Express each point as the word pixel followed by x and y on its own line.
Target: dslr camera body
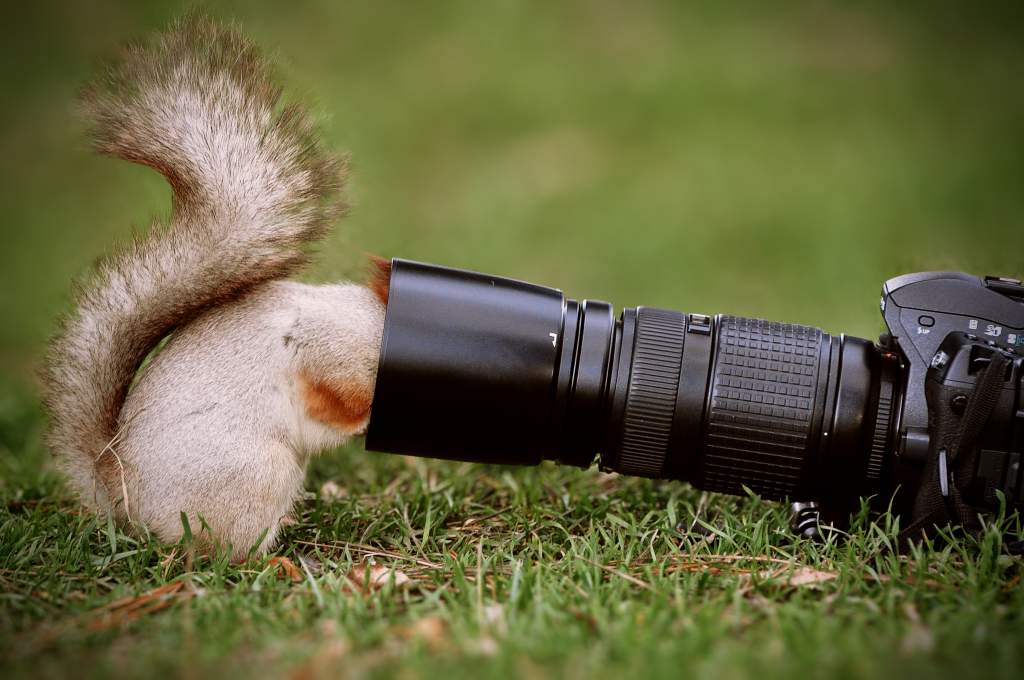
pixel 929 421
pixel 960 438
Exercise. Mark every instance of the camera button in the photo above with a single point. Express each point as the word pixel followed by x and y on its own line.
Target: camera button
pixel 926 321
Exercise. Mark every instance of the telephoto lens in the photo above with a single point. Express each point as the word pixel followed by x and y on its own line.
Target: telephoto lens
pixel 486 369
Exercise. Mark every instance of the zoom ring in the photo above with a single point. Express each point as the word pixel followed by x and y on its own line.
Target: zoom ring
pixel 651 400
pixel 760 422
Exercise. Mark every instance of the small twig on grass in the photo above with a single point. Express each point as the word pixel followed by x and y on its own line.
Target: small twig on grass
pixel 621 574
pixel 714 559
pixel 370 551
pixel 473 520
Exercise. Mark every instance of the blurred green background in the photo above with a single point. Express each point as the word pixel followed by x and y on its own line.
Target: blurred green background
pixel 774 160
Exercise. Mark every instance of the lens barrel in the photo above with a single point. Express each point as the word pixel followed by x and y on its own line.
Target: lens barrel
pixel 486 369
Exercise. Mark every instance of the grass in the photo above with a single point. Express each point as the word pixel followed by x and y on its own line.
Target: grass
pixel 776 160
pixel 417 568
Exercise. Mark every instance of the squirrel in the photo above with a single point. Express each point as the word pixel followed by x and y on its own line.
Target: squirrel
pixel 247 375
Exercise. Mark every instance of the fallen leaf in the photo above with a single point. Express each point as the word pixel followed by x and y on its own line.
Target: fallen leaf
pixel 806 576
pixel 494 617
pixel 325 660
pixel 285 567
pixel 918 638
pixel 368 578
pixel 803 576
pixel 430 630
pixel 332 491
pixel 485 646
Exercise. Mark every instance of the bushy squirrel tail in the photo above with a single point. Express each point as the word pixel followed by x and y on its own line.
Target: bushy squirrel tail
pixel 251 187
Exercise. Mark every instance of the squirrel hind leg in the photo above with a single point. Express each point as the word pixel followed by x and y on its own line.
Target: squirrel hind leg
pixel 245 513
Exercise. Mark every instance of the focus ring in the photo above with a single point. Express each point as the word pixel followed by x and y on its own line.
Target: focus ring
pixel 761 420
pixel 651 400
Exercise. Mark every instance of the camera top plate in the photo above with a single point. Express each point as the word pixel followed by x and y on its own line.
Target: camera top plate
pixel 921 309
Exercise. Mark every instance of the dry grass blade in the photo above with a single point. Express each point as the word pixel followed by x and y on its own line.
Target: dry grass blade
pixel 621 574
pixel 107 617
pixel 724 564
pixel 430 630
pixel 132 608
pixel 370 551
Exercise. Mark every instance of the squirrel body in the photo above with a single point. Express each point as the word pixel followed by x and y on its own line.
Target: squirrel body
pixel 257 373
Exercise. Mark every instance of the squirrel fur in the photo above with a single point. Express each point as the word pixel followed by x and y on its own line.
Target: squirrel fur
pixel 258 373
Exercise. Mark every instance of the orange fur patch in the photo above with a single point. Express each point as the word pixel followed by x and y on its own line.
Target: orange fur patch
pixel 380 278
pixel 346 408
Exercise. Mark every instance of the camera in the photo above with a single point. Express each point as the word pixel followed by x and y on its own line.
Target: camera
pixel 928 421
